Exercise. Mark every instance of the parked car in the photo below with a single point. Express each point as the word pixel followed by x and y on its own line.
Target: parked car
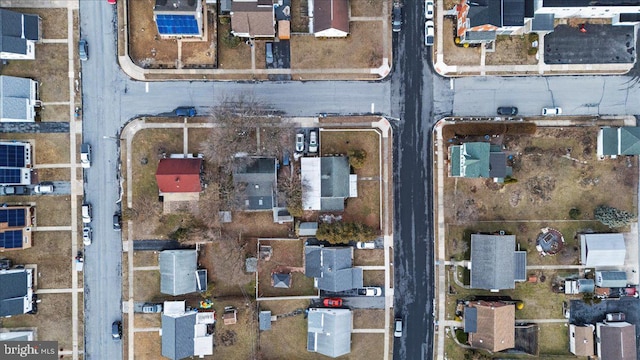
pixel 370 291
pixel 188 111
pixel 613 317
pixel 151 308
pixel 83 50
pixel 268 49
pixel 86 213
pixel 43 188
pixel 116 330
pixel 313 141
pixel 85 155
pixel 332 302
pixel 551 111
pixel 428 33
pixel 86 235
pixel 299 142
pixel 397 328
pixel 396 22
pixel 365 245
pixel 112 2
pixel 507 110
pixel 14 190
pixel 116 222
pixel 428 9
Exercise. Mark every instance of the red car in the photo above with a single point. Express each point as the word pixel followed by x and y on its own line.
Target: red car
pixel 332 302
pixel 112 2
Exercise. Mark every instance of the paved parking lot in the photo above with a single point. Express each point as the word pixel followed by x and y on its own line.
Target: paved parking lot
pixel 582 313
pixel 601 44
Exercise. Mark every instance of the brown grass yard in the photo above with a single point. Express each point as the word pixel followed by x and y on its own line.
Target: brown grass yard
pixel 148 344
pixel 287 254
pixel 561 166
pixel 366 207
pixel 358 50
pixel 147 320
pixel 50 69
pixel 225 264
pixel 511 50
pixel 50 174
pixel 53 319
pixel 146 285
pixel 51 251
pixel 195 53
pixel 257 223
pixel 554 340
pixel 368 319
pixel 230 57
pixel 53 210
pixel 245 331
pixel 454 55
pixel 340 142
pixel 54 21
pixel 373 277
pixel 367 7
pixel 368 257
pixel 145 258
pixel 57 113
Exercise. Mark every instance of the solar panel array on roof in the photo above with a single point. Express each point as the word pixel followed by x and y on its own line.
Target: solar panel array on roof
pixel 177 25
pixel 11 239
pixel 12 155
pixel 14 217
pixel 10 176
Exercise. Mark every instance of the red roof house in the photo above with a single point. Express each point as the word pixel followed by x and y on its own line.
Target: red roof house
pixel 179 175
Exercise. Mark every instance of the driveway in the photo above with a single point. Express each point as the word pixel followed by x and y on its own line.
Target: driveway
pixel 600 44
pixel 281 60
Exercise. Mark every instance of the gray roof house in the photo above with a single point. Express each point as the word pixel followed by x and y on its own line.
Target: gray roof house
pixel 20 32
pixel 16 291
pixel 281 281
pixel 602 250
pixel 495 265
pixel 329 331
pixel 179 274
pixel 618 141
pixel 611 279
pixel 308 229
pixel 259 179
pixel 18 99
pixel 327 181
pixel 616 341
pixel 332 268
pixel 184 333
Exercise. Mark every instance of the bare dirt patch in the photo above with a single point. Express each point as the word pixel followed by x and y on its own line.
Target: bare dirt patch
pixel 50 69
pixel 453 54
pixel 361 49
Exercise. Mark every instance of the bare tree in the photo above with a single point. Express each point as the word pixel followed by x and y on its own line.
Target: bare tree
pixel 291 190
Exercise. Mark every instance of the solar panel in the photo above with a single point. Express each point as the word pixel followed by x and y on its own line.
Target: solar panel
pixel 14 217
pixel 10 176
pixel 12 155
pixel 11 239
pixel 177 25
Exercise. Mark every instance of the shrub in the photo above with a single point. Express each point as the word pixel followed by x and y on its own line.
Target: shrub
pixel 342 232
pixel 613 217
pixel 532 51
pixel 575 213
pixel 357 158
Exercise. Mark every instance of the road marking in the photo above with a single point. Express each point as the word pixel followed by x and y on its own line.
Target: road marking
pixel 146 87
pixel 451 83
pixel 373 106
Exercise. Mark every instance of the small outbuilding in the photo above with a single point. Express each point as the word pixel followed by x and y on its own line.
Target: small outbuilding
pixel 602 250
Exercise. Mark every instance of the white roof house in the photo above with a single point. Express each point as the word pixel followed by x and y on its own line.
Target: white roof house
pixel 327 182
pixel 602 250
pixel 18 99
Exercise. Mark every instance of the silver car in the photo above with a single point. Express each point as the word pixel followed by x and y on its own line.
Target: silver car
pixel 299 142
pixel 397 328
pixel 86 236
pixel 83 50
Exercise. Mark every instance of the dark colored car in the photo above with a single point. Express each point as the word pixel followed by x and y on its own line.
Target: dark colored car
pixel 116 330
pixel 396 22
pixel 188 111
pixel 332 302
pixel 507 110
pixel 116 222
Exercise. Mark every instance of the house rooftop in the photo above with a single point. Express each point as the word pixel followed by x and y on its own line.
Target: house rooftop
pixel 495 264
pixel 332 267
pixel 495 326
pixel 329 331
pixel 177 175
pixel 178 271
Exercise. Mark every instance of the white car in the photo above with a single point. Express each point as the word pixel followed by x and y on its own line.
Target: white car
pixel 551 111
pixel 365 245
pixel 428 33
pixel 313 142
pixel 428 9
pixel 86 236
pixel 370 291
pixel 43 188
pixel 397 328
pixel 299 142
pixel 86 213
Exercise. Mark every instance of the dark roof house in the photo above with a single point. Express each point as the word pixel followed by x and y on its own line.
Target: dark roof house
pixel 491 325
pixel 259 182
pixel 332 268
pixel 616 341
pixel 179 274
pixel 481 20
pixel 327 181
pixel 178 18
pixel 495 265
pixel 329 331
pixel 618 141
pixel 16 291
pixel 253 19
pixel 184 333
pixel 179 175
pixel 478 160
pixel 20 32
pixel 330 18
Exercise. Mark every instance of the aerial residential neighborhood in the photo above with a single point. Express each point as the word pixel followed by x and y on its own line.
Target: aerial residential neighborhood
pixel 313 179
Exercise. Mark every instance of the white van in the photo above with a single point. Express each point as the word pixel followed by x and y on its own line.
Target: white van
pixel 86 213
